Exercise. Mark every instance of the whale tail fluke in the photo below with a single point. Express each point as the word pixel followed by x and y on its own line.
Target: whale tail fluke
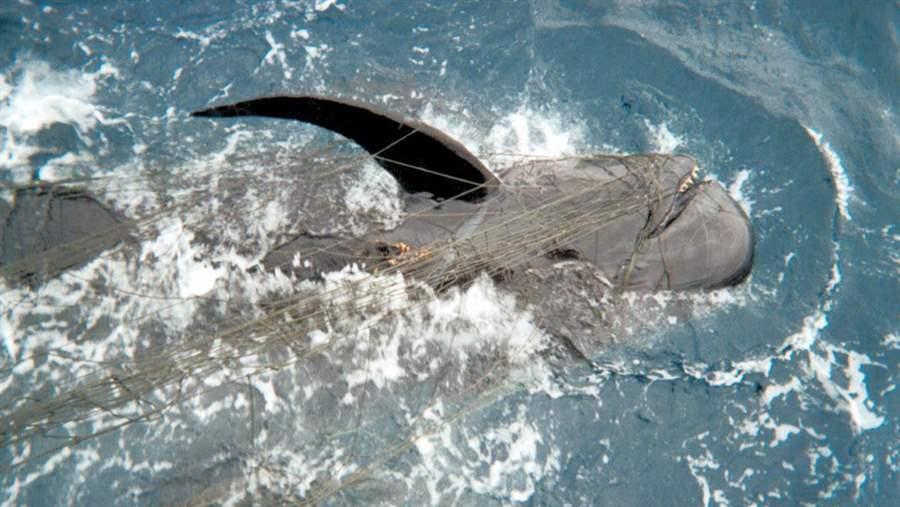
pixel 50 228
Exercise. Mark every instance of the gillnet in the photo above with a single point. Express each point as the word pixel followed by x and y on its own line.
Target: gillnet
pixel 329 387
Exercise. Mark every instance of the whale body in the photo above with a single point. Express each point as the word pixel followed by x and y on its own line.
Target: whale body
pixel 642 222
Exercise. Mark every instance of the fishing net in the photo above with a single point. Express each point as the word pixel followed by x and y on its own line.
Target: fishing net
pixel 333 386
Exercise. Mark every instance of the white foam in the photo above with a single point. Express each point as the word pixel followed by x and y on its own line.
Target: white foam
pixel 493 317
pixel 736 189
pixel 809 331
pixel 522 441
pixel 696 465
pixel 41 97
pixel 48 468
pixel 774 391
pixel 820 360
pixel 737 373
pixel 194 275
pixel 44 96
pixel 501 461
pixel 662 139
pixel 160 280
pixel 64 166
pixel 842 187
pixel 521 133
pixel 324 5
pixel 821 356
pixel 526 131
pixel 853 398
pixel 8 335
pixel 782 433
pixel 315 54
pixel 374 196
pixel 277 52
pixel 892 341
pixel 204 40
pixel 862 409
pixel 382 365
pixel 5 88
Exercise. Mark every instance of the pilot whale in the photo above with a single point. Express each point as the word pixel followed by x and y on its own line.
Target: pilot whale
pixel 642 222
pixel 645 222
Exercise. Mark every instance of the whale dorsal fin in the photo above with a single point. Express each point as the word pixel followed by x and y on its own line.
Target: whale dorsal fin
pixel 420 157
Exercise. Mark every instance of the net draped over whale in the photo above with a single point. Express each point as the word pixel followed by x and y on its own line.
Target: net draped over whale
pixel 518 249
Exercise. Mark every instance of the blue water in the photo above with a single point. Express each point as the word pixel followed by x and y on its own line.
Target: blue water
pixel 782 392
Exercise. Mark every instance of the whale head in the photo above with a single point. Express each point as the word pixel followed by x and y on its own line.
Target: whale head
pixel 699 236
pixel 646 222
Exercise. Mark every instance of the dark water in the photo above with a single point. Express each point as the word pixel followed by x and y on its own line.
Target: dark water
pixel 779 392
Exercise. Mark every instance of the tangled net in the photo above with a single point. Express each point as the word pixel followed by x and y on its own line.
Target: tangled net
pixel 288 332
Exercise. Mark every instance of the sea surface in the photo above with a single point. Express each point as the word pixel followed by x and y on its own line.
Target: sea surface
pixel 782 391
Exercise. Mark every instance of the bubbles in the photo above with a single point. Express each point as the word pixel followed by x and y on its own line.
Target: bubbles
pixel 38 98
pixel 842 186
pixel 662 139
pixel 374 201
pixel 527 131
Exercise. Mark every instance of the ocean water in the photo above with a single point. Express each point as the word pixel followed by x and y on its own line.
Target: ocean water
pixel 779 392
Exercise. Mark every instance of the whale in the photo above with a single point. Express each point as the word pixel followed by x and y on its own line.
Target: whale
pixel 644 222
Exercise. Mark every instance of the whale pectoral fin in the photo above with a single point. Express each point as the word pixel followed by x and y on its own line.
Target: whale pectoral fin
pixel 420 157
